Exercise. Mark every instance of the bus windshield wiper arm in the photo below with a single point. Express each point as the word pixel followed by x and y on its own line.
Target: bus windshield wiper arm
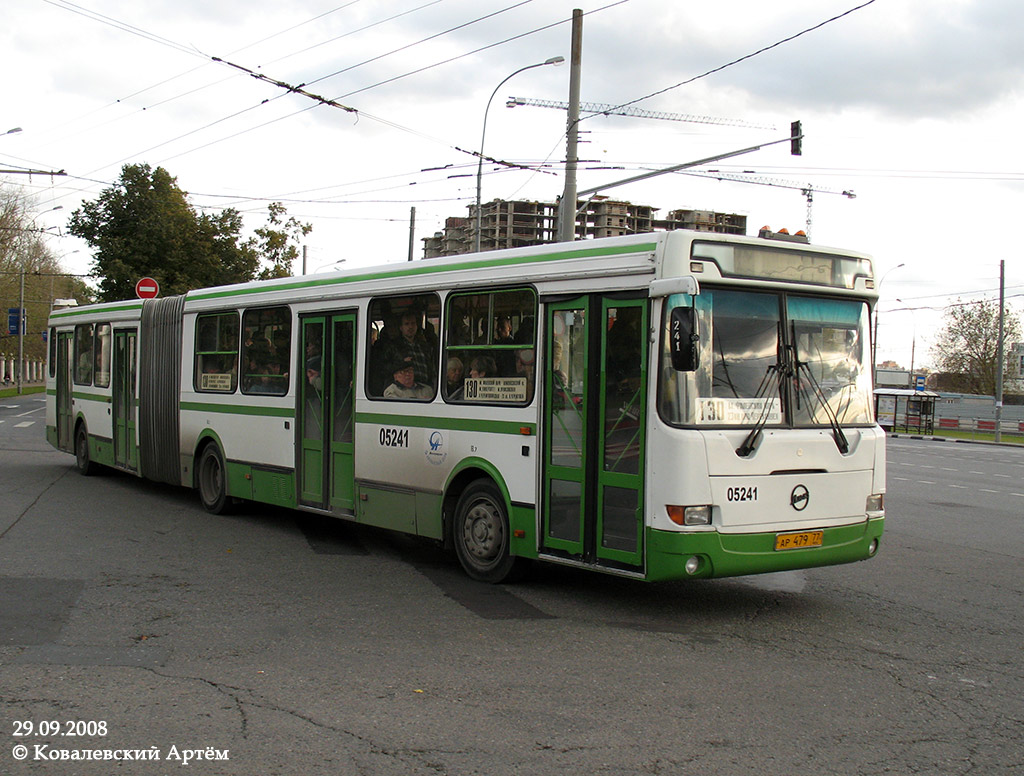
pixel 837 431
pixel 769 387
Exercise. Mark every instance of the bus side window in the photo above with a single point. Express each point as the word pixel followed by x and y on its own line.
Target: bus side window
pixel 266 350
pixel 83 354
pixel 492 336
pixel 216 353
pixel 406 340
pixel 102 373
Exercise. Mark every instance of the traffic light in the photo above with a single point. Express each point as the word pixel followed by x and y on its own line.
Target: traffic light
pixel 796 135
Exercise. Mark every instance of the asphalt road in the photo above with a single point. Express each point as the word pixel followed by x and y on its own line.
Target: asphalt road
pixel 291 645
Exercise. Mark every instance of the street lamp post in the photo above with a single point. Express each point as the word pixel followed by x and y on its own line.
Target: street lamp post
pixel 483 135
pixel 874 344
pixel 20 370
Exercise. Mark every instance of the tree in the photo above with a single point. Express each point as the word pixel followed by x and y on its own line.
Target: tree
pixel 24 253
pixel 967 346
pixel 278 246
pixel 145 226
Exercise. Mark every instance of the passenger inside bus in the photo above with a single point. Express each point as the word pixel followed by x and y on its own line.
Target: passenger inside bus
pixel 453 378
pixel 404 384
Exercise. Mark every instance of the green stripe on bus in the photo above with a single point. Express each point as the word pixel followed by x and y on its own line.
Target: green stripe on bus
pixel 450 424
pixel 96 310
pixel 426 268
pixel 238 409
pixel 90 397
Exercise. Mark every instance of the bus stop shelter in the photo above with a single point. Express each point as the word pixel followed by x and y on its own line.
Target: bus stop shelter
pixel 904 409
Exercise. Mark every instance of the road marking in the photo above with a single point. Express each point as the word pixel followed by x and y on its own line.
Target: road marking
pixel 962 487
pixel 986 490
pixel 26 424
pixel 925 482
pixel 1002 475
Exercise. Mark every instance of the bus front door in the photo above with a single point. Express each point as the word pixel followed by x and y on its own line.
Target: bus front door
pixel 326 451
pixel 125 449
pixel 594 419
pixel 64 417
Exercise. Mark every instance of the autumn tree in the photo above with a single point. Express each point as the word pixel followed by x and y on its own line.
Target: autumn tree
pixel 25 255
pixel 966 347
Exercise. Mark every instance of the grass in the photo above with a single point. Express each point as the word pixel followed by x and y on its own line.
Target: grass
pixel 973 436
pixel 6 393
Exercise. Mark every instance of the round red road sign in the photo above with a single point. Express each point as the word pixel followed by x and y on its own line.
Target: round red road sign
pixel 147 288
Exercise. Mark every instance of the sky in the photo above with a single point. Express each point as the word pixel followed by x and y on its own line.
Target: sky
pixel 915 106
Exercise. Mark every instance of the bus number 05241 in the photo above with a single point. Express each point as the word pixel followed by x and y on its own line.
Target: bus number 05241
pixel 394 437
pixel 741 494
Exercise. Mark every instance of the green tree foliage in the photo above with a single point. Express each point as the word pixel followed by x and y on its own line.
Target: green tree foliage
pixel 966 347
pixel 277 242
pixel 23 248
pixel 145 226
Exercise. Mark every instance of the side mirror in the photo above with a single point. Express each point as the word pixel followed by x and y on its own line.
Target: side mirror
pixel 685 339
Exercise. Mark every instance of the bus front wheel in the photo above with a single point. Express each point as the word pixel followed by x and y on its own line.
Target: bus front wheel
pixel 481 533
pixel 213 481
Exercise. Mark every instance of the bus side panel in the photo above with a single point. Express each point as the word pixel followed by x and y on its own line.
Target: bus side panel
pixel 418 460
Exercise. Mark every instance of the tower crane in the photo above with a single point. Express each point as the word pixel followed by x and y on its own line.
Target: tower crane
pixel 628 110
pixel 808 190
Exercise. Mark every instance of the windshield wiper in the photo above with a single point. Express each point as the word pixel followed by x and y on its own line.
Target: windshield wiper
pixel 802 368
pixel 769 387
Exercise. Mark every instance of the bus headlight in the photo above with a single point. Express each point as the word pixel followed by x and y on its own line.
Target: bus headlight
pixel 696 515
pixel 875 502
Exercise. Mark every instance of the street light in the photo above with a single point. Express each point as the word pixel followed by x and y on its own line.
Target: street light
pixel 21 309
pixel 13 131
pixel 874 344
pixel 483 134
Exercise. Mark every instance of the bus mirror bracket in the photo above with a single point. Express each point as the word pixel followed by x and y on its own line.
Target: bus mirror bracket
pixel 670 286
pixel 685 339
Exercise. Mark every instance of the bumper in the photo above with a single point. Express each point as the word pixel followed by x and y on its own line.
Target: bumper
pixel 727 555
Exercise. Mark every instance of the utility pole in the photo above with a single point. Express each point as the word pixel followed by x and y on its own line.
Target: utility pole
pixel 567 205
pixel 20 371
pixel 999 350
pixel 412 229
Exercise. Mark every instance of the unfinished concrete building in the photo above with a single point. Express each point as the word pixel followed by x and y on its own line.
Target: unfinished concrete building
pixel 508 224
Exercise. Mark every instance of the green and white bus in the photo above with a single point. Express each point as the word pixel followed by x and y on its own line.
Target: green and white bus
pixel 657 406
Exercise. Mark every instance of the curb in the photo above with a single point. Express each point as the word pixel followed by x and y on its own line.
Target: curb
pixel 956 441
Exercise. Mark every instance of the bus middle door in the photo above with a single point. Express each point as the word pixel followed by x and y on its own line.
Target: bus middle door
pixel 326 450
pixel 124 404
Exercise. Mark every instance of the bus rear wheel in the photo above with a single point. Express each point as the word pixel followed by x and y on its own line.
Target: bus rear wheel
pixel 82 460
pixel 213 481
pixel 481 534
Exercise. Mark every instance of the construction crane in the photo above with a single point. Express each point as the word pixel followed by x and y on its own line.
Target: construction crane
pixel 808 190
pixel 604 109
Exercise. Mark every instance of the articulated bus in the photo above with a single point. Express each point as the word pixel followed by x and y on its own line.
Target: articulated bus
pixel 658 406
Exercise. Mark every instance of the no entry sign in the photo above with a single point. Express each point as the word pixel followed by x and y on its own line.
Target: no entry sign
pixel 147 288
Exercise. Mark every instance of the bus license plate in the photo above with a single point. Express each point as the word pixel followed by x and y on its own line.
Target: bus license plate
pixel 796 541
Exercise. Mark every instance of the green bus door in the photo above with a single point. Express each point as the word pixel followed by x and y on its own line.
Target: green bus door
pixel 595 413
pixel 326 449
pixel 64 416
pixel 125 449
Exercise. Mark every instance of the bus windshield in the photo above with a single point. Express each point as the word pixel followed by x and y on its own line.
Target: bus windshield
pixel 772 359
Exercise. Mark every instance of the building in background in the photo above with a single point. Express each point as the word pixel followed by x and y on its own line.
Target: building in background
pixel 514 224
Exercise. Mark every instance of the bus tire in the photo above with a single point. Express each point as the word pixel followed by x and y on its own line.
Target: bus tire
pixel 481 533
pixel 82 461
pixel 212 479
